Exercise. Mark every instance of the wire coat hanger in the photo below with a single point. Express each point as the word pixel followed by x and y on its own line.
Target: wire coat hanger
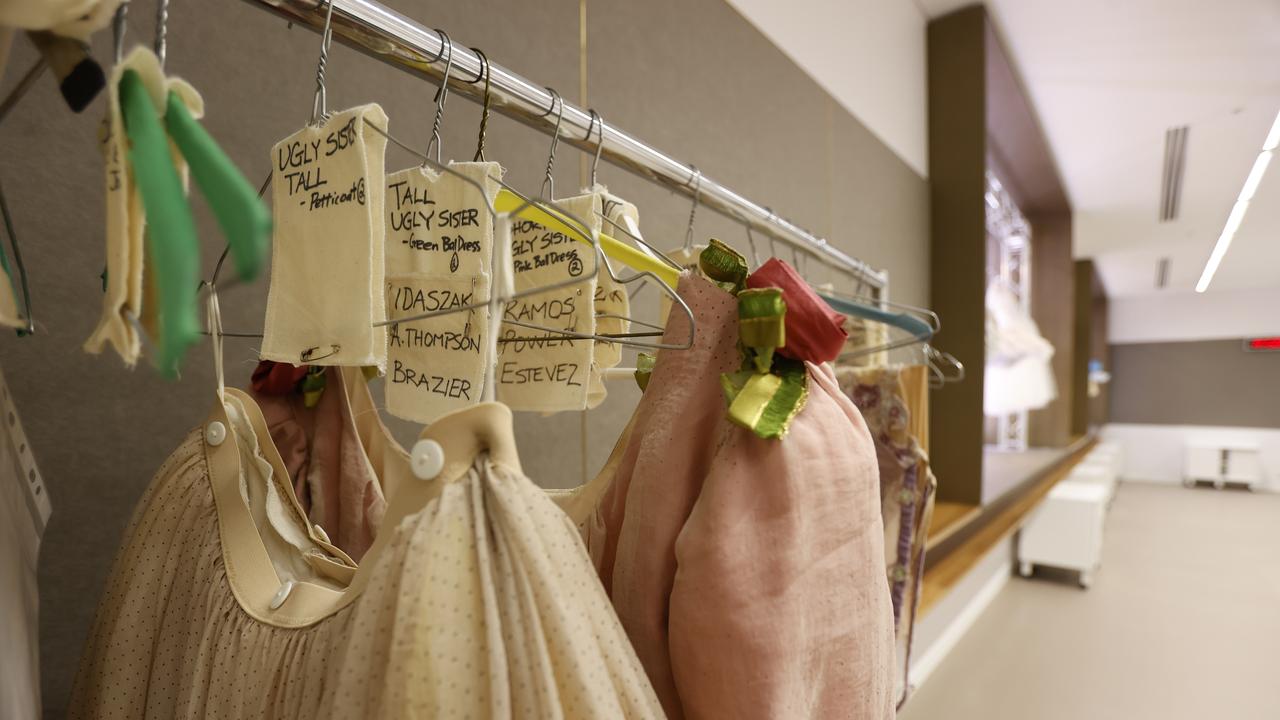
pixel 549 181
pixel 484 107
pixel 537 208
pixel 693 210
pixel 442 95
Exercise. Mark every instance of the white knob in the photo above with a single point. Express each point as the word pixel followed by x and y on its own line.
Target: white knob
pixel 215 433
pixel 427 459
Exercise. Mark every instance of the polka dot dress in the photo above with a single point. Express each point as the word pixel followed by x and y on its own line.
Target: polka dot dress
pixel 484 604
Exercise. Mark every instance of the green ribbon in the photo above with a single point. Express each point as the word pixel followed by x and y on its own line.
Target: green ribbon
pixel 762 328
pixel 644 369
pixel 766 403
pixel 724 266
pixel 769 390
pixel 313 386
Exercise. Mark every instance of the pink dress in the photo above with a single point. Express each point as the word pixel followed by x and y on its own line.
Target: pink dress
pixel 327 454
pixel 748 573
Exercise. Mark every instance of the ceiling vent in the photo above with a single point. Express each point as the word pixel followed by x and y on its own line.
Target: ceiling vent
pixel 1162 273
pixel 1175 161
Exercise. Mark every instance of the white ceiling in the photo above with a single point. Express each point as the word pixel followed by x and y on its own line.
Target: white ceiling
pixel 1107 78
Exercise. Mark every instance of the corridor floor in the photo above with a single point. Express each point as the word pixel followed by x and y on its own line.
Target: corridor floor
pixel 1182 621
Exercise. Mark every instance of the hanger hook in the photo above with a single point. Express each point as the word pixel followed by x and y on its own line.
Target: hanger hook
pixel 693 211
pixel 442 93
pixel 484 108
pixel 597 122
pixel 773 249
pixel 751 242
pixel 162 30
pixel 549 182
pixel 320 105
pixel 118 25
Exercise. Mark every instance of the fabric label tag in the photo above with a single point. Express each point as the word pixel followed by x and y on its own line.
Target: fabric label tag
pixel 437 365
pixel 327 263
pixel 125 220
pixel 439 252
pixel 538 370
pixel 612 303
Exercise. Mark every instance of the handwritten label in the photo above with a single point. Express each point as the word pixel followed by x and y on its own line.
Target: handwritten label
pixel 439 223
pixel 439 251
pixel 435 366
pixel 540 370
pixel 611 302
pixel 328 263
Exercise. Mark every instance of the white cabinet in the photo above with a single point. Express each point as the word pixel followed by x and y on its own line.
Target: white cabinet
pixel 1066 530
pixel 1221 464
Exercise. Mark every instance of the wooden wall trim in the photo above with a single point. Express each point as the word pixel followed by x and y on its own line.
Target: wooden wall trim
pixel 1083 346
pixel 980 114
pixel 957 160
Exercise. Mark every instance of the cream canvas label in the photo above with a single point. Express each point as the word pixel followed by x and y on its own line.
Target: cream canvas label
pixel 327 256
pixel 612 303
pixel 439 254
pixel 538 370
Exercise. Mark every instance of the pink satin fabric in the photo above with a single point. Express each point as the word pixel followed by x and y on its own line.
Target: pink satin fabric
pixel 330 469
pixel 748 573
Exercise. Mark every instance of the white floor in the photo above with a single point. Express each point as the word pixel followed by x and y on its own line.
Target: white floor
pixel 1183 621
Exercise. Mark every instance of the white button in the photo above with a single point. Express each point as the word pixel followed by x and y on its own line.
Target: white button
pixel 215 433
pixel 282 594
pixel 320 533
pixel 427 459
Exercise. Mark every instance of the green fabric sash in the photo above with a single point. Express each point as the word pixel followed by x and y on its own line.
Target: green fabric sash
pixel 770 390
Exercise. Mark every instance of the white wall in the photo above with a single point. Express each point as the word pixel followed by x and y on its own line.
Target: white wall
pixel 1154 453
pixel 1185 316
pixel 869 54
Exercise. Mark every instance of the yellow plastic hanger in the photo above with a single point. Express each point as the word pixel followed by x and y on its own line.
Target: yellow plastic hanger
pixel 508 201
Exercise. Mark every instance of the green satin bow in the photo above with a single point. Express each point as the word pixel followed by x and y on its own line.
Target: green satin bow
pixel 770 390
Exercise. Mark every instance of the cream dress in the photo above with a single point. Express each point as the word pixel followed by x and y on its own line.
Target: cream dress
pixel 476 600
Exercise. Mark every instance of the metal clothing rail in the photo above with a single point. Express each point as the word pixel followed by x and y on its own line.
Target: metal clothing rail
pixel 408 45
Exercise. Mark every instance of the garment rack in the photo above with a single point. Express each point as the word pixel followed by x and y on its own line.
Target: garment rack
pixel 383 33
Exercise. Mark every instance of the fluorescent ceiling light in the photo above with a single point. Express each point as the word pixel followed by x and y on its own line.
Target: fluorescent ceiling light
pixel 1273 137
pixel 1242 205
pixel 1211 267
pixel 1235 218
pixel 1255 176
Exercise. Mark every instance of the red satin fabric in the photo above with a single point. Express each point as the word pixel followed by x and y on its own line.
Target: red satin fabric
pixel 815 332
pixel 277 378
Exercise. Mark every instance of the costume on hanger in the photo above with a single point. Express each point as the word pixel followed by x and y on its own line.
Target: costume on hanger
pixel 1019 374
pixel 476 599
pixel 747 571
pixel 891 400
pixel 864 333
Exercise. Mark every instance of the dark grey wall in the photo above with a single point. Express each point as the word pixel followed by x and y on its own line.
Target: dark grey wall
pixel 693 78
pixel 1213 382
